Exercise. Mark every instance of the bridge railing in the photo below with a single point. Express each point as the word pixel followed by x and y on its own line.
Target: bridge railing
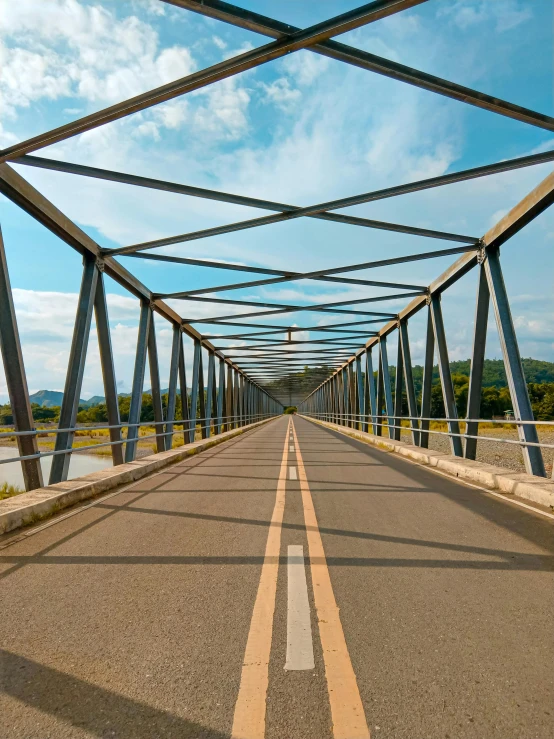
pixel 210 427
pixel 365 422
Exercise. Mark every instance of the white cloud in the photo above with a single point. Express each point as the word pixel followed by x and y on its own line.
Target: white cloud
pixel 219 42
pixel 506 14
pixel 62 48
pixel 281 94
pixel 304 66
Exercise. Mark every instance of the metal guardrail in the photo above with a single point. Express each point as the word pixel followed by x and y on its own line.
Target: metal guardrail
pixel 232 421
pixel 369 420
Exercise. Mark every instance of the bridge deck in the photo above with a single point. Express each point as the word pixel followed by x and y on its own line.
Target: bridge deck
pixel 131 618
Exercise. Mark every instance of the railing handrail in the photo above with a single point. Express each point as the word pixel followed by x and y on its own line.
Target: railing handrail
pixel 433 431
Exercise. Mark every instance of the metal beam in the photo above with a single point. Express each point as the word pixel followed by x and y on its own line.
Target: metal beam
pixel 446 378
pixel 299 213
pixel 537 201
pixel 195 384
pixel 477 363
pixel 427 384
pixel 135 405
pixel 16 380
pixel 172 386
pixel 341 52
pixel 248 60
pixel 75 370
pixel 406 365
pixel 532 456
pixel 174 187
pixel 108 368
pixel 156 386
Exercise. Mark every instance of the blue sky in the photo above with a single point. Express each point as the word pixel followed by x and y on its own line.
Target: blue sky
pixel 300 130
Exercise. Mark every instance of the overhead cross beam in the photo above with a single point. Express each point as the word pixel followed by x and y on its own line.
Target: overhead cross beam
pixel 241 63
pixel 341 52
pixel 321 211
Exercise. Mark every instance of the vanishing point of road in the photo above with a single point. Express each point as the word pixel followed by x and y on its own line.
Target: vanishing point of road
pixel 291 583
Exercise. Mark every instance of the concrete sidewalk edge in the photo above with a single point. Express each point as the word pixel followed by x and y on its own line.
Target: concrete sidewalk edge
pixel 537 489
pixel 28 508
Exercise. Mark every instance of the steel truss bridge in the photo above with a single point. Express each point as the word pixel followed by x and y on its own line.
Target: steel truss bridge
pixel 240 387
pixel 423 606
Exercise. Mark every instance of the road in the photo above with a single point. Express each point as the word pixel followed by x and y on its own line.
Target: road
pixel 173 608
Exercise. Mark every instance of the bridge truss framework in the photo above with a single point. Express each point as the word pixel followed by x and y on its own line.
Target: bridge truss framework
pixel 239 388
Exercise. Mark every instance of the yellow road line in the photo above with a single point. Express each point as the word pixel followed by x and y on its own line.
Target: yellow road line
pixel 347 711
pixel 250 708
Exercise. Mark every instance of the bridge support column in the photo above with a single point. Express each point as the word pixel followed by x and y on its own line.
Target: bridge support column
pixel 408 379
pixel 16 380
pixel 172 387
pixel 75 369
pixel 220 396
pixel 371 392
pixel 477 362
pixel 138 380
pixel 446 378
pixel 427 384
pixel 384 387
pixel 108 369
pixel 398 391
pixel 196 365
pixel 532 456
pixel 185 415
pixel 209 394
pixel 155 385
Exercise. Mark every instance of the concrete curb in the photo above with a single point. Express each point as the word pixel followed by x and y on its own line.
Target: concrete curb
pixel 27 508
pixel 537 489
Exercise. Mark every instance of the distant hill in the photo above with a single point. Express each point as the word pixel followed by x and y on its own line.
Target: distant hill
pixel 494 374
pixel 50 398
pixel 47 398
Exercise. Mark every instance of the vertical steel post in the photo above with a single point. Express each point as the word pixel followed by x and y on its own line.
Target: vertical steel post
pixel 446 378
pixel 196 364
pixel 353 399
pixel 172 387
pixel 361 395
pixel 340 395
pixel 155 385
pixel 138 380
pixel 371 392
pixel 242 399
pixel 345 390
pixel 477 362
pixel 185 416
pixel 427 384
pixel 221 396
pixel 408 378
pixel 108 369
pixel 16 380
pixel 385 383
pixel 398 390
pixel 202 397
pixel 75 370
pixel 229 410
pixel 210 391
pixel 236 398
pixel 532 456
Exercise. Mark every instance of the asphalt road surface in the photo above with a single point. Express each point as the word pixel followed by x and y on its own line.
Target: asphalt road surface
pixel 407 606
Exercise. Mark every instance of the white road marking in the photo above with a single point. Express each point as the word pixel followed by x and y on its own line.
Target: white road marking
pixel 292 473
pixel 291 448
pixel 300 650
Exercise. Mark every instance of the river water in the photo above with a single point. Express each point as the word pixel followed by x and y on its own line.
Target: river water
pixel 80 464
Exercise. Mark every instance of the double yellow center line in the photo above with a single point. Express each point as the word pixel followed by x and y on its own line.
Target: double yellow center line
pixel 347 711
